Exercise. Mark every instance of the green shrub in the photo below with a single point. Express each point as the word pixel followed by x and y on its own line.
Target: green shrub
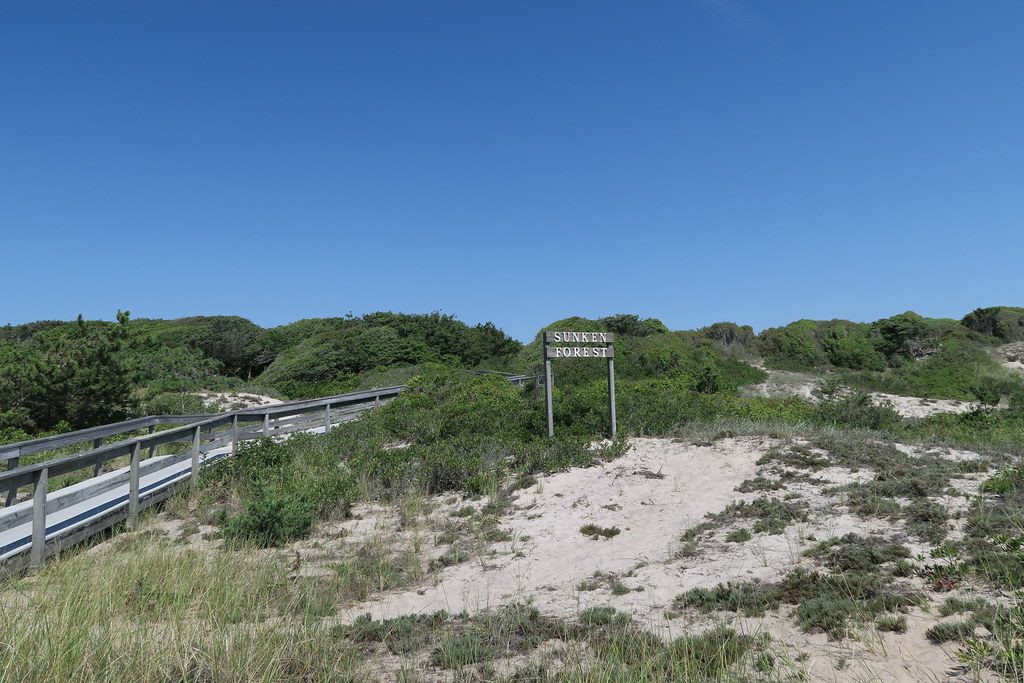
pixel 850 345
pixel 730 338
pixel 176 403
pixel 1003 322
pixel 857 411
pixel 906 334
pixel 271 518
pixel 793 347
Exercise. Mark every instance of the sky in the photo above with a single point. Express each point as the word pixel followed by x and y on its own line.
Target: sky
pixel 517 162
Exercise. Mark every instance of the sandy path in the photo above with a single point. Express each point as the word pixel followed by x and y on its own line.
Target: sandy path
pixel 627 493
pixel 656 491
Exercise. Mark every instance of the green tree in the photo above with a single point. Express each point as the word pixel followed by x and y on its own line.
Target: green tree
pixel 81 376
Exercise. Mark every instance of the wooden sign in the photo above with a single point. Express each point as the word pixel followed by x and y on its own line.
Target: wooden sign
pixel 580 352
pixel 565 344
pixel 578 337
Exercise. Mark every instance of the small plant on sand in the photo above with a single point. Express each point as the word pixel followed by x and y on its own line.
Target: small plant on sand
pixel 950 630
pixel 738 536
pixel 596 532
pixel 893 623
pixel 772 515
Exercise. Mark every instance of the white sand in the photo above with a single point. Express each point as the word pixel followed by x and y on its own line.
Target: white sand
pixel 914 407
pixel 235 400
pixel 653 493
pixel 652 514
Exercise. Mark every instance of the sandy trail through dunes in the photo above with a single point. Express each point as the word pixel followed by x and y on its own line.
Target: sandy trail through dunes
pixel 653 493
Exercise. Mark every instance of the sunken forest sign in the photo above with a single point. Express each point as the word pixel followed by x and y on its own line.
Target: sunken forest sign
pixel 578 345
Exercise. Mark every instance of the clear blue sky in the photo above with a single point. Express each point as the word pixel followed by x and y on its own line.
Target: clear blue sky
pixel 511 161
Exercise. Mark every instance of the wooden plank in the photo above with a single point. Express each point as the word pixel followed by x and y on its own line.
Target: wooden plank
pixel 39 519
pixel 611 396
pixel 57 441
pixel 133 486
pixel 196 445
pixel 579 352
pixel 563 337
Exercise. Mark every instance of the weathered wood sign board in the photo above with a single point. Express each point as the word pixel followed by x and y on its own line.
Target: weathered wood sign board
pixel 578 345
pixel 579 352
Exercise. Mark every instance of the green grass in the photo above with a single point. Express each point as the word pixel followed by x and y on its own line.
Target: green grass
pixel 954 605
pixel 154 611
pixel 738 536
pixel 771 515
pixel 749 598
pixel 853 552
pixel 862 589
pixel 377 565
pixel 950 630
pixel 892 623
pixel 596 532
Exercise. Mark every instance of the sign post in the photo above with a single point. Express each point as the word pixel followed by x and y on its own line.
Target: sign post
pixel 571 345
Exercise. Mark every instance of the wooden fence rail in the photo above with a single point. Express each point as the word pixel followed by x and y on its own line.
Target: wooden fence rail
pixel 197 434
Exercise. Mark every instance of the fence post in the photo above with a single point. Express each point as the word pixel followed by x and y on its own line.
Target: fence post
pixel 611 396
pixel 152 449
pixel 196 440
pixel 327 418
pixel 266 425
pixel 376 400
pixel 234 434
pixel 98 467
pixel 133 486
pixel 39 519
pixel 549 387
pixel 12 493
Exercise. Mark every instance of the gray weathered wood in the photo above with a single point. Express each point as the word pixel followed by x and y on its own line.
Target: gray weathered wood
pixel 611 395
pixel 39 518
pixel 579 352
pixel 98 467
pixel 50 443
pixel 133 485
pixel 197 440
pixel 234 434
pixel 563 337
pixel 266 425
pixel 327 417
pixel 12 492
pixel 549 383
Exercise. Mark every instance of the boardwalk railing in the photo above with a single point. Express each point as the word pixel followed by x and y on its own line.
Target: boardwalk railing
pixel 200 440
pixel 201 437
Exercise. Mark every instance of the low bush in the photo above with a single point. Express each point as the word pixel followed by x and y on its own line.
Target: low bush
pixel 857 411
pixel 271 518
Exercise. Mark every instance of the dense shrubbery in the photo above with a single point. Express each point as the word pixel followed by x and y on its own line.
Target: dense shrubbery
pixel 650 353
pixel 957 370
pixel 1003 322
pixel 731 339
pixel 72 374
pixel 228 340
pixel 322 356
pixel 83 373
pixel 903 354
pixel 87 372
pixel 809 344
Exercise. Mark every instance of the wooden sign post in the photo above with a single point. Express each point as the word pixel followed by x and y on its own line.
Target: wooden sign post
pixel 578 345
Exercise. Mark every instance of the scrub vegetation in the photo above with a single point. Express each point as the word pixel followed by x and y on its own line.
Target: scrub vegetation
pixel 245 605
